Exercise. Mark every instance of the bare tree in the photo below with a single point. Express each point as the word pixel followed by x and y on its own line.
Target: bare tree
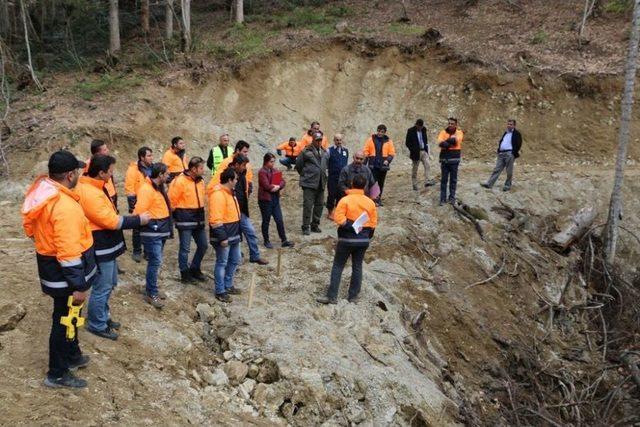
pixel 239 11
pixel 23 15
pixel 610 232
pixel 588 10
pixel 114 27
pixel 168 19
pixel 144 16
pixel 4 18
pixel 186 24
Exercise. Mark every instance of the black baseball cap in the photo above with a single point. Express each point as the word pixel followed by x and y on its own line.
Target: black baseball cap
pixel 63 161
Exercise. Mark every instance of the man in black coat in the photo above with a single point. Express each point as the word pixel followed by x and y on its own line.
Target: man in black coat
pixel 416 142
pixel 508 151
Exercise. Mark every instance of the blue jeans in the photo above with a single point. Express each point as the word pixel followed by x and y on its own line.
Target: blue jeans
pixel 153 247
pixel 289 162
pixel 200 237
pixel 98 305
pixel 246 228
pixel 227 260
pixel 268 209
pixel 449 172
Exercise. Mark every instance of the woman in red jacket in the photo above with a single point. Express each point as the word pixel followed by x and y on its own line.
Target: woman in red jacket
pixel 270 182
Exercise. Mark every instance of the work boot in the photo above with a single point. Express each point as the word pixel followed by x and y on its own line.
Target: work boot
pixel 305 232
pixel 326 300
pixel 137 257
pixel 186 277
pixel 223 297
pixel 259 261
pixel 113 324
pixel 80 362
pixel 154 301
pixel 107 333
pixel 485 185
pixel 315 229
pixel 288 244
pixel 268 245
pixel 430 183
pixel 233 291
pixel 198 275
pixel 353 300
pixel 505 188
pixel 67 380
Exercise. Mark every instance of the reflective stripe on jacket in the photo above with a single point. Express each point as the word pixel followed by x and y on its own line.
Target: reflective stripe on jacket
pixel 152 200
pixel 106 225
pixel 187 200
pixel 224 216
pixel 349 209
pixel 374 158
pixel 452 153
pixel 65 255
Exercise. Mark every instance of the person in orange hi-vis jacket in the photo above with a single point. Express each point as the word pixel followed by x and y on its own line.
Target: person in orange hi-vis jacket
pixel 137 174
pixel 175 158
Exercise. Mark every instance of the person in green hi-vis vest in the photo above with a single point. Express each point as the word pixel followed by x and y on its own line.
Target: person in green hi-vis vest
pixel 218 154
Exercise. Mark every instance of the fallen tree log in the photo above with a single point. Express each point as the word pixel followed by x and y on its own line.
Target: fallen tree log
pixel 580 224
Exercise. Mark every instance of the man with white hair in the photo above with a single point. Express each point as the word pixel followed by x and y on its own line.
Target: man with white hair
pixel 338 157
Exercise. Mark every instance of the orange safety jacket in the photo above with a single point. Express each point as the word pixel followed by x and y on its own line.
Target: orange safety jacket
pixel 223 166
pixel 110 186
pixel 154 200
pixel 187 195
pixel 375 159
pixel 288 150
pixel 349 209
pixel 308 139
pixel 175 164
pixel 224 216
pixel 136 176
pixel 54 219
pixel 106 225
pixel 450 152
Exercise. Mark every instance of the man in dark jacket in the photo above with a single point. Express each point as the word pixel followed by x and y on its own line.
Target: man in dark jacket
pixel 355 168
pixel 416 142
pixel 311 165
pixel 338 157
pixel 508 151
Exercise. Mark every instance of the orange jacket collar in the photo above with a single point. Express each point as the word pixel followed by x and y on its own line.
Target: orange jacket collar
pixel 98 183
pixel 355 191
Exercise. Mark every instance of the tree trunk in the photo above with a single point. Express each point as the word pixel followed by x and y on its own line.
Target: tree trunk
pixel 114 27
pixel 168 19
pixel 23 15
pixel 4 19
pixel 610 232
pixel 573 232
pixel 186 25
pixel 239 11
pixel 144 16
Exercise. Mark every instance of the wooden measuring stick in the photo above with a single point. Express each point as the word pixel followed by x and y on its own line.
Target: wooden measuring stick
pixel 279 262
pixel 252 288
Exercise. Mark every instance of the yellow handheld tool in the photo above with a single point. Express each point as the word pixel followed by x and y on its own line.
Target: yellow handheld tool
pixel 73 320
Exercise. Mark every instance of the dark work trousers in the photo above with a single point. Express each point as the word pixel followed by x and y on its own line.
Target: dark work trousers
pixel 311 207
pixel 449 172
pixel 333 192
pixel 136 241
pixel 61 350
pixel 343 252
pixel 380 175
pixel 268 209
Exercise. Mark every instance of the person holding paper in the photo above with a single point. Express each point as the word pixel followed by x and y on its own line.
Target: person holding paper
pixel 356 217
pixel 270 183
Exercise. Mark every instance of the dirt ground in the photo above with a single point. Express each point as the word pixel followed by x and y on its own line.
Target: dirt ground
pixel 420 348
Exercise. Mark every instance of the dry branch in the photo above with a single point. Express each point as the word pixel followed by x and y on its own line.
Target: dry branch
pixel 488 279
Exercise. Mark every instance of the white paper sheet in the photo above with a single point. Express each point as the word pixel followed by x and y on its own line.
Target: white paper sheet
pixel 359 223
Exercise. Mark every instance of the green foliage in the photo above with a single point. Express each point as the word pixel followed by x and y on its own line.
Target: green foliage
pixel 618 6
pixel 405 29
pixel 339 11
pixel 106 83
pixel 540 37
pixel 242 42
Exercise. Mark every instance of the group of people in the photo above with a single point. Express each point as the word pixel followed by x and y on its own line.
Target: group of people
pixel 72 216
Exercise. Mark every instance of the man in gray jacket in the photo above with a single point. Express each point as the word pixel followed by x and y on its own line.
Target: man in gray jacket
pixel 311 165
pixel 355 168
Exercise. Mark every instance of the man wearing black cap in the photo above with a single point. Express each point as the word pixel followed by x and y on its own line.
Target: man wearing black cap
pixel 311 165
pixel 54 220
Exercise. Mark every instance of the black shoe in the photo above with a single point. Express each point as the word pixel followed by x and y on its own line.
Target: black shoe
pixel 326 300
pixel 233 291
pixel 442 202
pixel 198 275
pixel 113 324
pixel 137 257
pixel 287 244
pixel 353 300
pixel 80 362
pixel 505 188
pixel 485 185
pixel 107 333
pixel 316 229
pixel 223 297
pixel 415 188
pixel 268 245
pixel 259 261
pixel 67 380
pixel 430 183
pixel 186 277
pixel 305 232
